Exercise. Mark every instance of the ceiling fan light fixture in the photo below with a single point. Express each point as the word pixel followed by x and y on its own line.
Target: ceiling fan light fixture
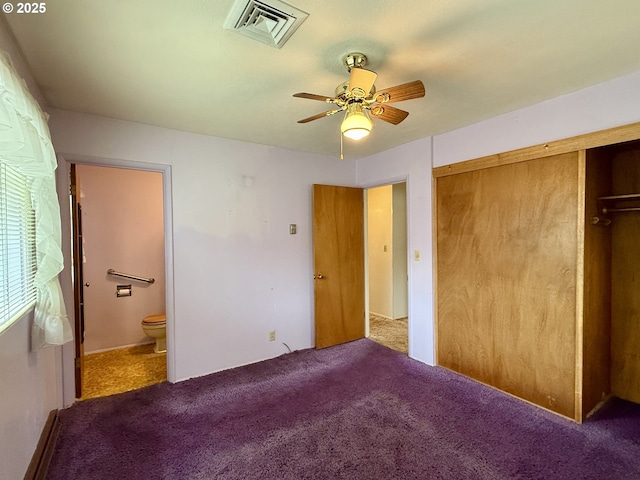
pixel 356 123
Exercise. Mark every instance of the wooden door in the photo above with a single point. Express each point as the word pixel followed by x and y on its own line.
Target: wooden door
pixel 507 272
pixel 338 246
pixel 78 281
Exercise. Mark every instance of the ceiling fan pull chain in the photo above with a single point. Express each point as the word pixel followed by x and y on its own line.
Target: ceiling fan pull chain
pixel 341 156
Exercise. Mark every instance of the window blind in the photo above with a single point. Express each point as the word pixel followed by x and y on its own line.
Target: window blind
pixel 17 247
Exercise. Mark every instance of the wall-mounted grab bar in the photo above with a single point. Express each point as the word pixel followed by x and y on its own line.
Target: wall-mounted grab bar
pixel 111 271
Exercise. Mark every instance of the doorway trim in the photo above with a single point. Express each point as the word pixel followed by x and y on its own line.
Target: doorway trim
pixel 64 165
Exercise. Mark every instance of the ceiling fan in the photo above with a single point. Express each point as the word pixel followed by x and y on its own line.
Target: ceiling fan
pixel 359 98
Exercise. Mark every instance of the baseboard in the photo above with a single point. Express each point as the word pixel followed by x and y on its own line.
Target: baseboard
pixel 600 404
pixel 44 450
pixel 110 349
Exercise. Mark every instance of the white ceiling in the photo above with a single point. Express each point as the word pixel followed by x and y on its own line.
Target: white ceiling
pixel 171 63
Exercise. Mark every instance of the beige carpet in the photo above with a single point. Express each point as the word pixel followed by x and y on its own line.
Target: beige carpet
pixel 117 371
pixel 390 333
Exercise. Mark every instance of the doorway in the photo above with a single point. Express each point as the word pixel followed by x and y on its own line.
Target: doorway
pixel 120 228
pixel 387 266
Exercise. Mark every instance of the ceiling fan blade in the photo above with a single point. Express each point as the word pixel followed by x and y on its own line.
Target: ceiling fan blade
pixel 406 91
pixel 319 115
pixel 363 79
pixel 389 114
pixel 312 96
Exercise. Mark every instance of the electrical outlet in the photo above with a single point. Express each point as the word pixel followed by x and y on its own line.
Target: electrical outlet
pixel 272 336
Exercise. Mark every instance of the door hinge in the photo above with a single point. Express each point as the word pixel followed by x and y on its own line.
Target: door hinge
pixel 72 190
pixel 78 362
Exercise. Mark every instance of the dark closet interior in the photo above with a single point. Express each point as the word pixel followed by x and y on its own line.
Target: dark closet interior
pixel 617 216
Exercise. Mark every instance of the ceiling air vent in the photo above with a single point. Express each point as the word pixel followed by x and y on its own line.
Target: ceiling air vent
pixel 271 23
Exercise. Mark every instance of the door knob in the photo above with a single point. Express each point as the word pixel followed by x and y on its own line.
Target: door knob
pixel 86 284
pixel 319 276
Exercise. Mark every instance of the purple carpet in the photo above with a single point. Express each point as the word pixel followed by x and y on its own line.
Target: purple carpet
pixel 356 411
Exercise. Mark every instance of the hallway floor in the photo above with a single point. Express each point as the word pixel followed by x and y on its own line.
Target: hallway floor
pixel 390 333
pixel 121 370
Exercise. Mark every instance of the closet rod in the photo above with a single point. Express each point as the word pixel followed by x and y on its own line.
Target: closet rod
pixel 620 210
pixel 630 196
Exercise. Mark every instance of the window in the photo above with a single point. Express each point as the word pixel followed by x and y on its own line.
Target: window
pixel 17 247
pixel 30 225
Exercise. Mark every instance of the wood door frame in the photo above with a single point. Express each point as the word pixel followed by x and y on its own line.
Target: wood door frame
pixel 78 279
pixel 64 165
pixel 587 141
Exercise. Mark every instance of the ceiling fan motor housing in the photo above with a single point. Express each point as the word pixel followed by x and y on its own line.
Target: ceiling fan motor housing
pixel 343 91
pixel 356 59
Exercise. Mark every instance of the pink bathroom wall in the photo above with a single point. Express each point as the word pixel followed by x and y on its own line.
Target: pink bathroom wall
pixel 122 224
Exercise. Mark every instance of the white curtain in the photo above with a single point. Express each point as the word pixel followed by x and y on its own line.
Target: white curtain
pixel 25 145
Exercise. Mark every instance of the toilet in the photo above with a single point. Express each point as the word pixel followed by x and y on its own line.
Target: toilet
pixel 155 326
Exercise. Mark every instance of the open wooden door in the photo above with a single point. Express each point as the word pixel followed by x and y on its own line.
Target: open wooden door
pixel 338 245
pixel 78 281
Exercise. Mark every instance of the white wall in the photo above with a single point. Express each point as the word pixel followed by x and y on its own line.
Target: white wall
pixel 8 45
pixel 400 252
pixel 238 273
pixel 123 229
pixel 607 105
pixel 29 380
pixel 380 250
pixel 411 163
pixel 30 390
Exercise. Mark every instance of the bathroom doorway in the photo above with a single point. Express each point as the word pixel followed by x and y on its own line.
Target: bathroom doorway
pixel 387 266
pixel 118 228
